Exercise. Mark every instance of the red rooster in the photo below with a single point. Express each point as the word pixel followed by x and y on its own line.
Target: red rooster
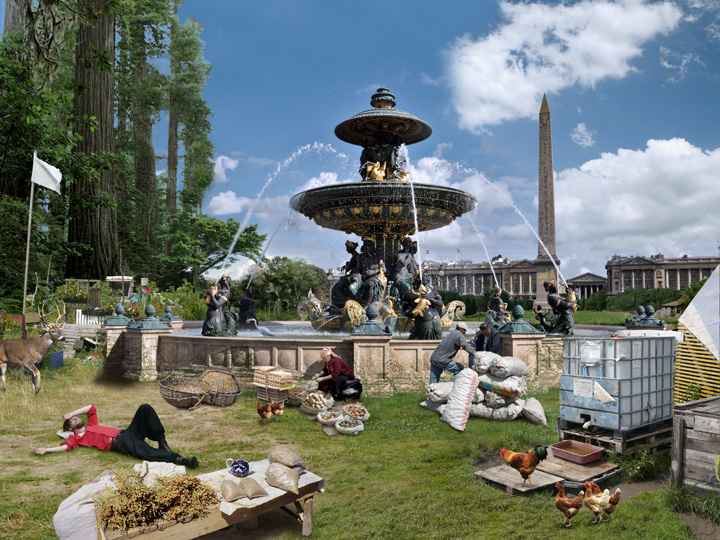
pixel 265 411
pixel 524 463
pixel 569 507
pixel 277 408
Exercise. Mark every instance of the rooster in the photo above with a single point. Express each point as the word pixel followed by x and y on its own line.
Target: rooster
pixel 265 411
pixel 607 502
pixel 569 507
pixel 277 408
pixel 524 463
pixel 596 500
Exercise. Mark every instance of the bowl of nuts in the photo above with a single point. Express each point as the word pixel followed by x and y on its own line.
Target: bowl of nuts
pixel 357 411
pixel 313 404
pixel 349 426
pixel 329 418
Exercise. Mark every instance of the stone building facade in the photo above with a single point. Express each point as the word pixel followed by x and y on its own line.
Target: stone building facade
pixel 656 271
pixel 587 284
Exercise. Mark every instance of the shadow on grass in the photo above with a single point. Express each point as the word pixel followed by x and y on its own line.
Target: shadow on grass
pixel 114 378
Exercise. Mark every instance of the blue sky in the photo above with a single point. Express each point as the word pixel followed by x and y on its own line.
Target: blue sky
pixel 632 86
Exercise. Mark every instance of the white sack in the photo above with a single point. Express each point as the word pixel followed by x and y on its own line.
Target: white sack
pixel 439 392
pixel 483 359
pixel 534 411
pixel 433 406
pixel 478 395
pixel 457 409
pixel 507 366
pixel 495 400
pixel 75 517
pixel 510 412
pixel 509 386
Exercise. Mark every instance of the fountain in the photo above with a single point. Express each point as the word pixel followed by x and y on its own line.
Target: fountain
pixel 382 209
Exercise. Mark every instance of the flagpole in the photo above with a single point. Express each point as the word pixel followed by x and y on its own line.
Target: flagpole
pixel 27 259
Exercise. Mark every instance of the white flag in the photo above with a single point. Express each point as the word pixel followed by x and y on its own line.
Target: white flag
pixel 45 174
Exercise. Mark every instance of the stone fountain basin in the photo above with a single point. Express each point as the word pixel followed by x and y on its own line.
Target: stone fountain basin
pixel 370 207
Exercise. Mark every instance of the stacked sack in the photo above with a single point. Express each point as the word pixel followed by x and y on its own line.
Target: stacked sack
pixel 503 380
pixel 492 389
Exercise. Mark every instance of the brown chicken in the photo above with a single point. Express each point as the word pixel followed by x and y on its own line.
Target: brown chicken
pixel 607 502
pixel 524 463
pixel 277 408
pixel 265 411
pixel 569 507
pixel 595 500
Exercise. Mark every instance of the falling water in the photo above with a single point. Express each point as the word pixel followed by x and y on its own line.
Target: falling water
pixel 262 257
pixel 474 172
pixel 318 147
pixel 406 159
pixel 487 255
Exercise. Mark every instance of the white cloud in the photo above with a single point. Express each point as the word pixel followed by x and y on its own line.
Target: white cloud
pixel 678 63
pixel 548 48
pixel 441 148
pixel 222 164
pixel 582 136
pixel 639 202
pixel 229 202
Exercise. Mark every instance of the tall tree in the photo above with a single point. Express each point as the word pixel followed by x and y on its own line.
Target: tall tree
pixel 93 216
pixel 14 19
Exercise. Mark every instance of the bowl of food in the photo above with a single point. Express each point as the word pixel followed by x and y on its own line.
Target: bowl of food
pixel 329 418
pixel 349 426
pixel 313 404
pixel 357 411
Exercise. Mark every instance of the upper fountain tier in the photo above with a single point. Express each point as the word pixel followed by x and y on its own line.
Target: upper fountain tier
pixel 363 128
pixel 383 204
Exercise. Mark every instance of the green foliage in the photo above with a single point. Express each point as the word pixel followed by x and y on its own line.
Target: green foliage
pixel 188 303
pixel 683 500
pixel 630 299
pixel 596 301
pixel 642 465
pixel 449 296
pixel 199 243
pixel 281 283
pixel 470 301
pixel 612 318
pixel 693 392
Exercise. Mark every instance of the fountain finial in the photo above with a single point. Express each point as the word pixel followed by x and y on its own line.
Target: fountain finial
pixel 383 99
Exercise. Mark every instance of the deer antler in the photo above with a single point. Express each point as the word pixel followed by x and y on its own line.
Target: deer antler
pixel 61 315
pixel 41 314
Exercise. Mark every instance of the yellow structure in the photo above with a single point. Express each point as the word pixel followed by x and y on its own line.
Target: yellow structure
pixel 697 371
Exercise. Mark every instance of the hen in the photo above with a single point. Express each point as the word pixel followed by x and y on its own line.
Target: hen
pixel 595 500
pixel 524 463
pixel 277 408
pixel 265 411
pixel 569 507
pixel 607 502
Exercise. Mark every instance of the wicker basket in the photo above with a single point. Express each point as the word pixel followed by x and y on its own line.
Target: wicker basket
pixel 260 374
pixel 224 387
pixel 184 393
pixel 279 378
pixel 266 393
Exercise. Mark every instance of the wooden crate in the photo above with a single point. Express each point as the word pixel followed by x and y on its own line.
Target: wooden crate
pixel 696 442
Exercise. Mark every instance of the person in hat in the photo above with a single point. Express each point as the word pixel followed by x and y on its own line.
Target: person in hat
pixel 442 357
pixel 486 339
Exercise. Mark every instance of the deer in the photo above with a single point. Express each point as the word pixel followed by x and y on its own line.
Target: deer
pixel 30 352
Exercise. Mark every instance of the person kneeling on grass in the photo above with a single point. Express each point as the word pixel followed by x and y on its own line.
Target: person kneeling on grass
pixel 129 441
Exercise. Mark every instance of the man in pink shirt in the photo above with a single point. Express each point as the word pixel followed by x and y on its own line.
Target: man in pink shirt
pixel 129 441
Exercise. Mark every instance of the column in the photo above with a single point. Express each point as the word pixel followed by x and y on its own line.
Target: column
pixel 643 280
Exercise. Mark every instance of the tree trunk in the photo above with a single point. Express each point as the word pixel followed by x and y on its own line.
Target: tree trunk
pixel 94 224
pixel 148 199
pixel 14 16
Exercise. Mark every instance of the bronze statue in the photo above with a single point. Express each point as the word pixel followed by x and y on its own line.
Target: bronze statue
pixel 381 159
pixel 372 270
pixel 649 320
pixel 497 314
pixel 635 321
pixel 349 284
pixel 245 307
pixel 217 322
pixel 562 308
pixel 424 304
pixel 404 266
pixel 518 325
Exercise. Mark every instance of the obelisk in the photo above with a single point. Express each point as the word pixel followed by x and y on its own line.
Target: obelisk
pixel 545 270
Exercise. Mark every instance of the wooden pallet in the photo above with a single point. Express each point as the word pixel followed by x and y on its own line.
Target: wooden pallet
pixel 575 472
pixel 657 441
pixel 510 479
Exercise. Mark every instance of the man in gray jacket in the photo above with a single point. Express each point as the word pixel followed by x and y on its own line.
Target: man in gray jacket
pixel 442 357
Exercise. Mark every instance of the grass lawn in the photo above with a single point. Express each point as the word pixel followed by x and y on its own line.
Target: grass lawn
pixel 407 476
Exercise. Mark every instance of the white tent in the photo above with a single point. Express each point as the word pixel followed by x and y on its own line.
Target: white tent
pixel 702 316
